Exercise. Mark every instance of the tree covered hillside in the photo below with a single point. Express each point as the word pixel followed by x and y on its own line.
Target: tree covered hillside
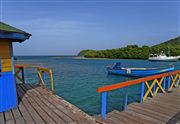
pixel 172 42
pixel 135 52
pixel 171 47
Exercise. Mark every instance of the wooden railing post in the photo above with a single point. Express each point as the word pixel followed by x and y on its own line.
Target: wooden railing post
pixel 154 88
pixel 169 82
pixel 51 80
pixel 164 83
pixel 22 73
pixel 178 82
pixel 104 104
pixel 142 92
pixel 126 98
pixel 43 76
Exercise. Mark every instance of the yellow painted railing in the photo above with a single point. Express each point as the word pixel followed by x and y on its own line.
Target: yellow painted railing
pixel 40 71
pixel 160 84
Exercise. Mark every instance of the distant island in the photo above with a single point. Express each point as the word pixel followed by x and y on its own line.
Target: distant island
pixel 170 48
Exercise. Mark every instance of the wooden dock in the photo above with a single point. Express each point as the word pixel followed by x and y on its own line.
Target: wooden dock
pixel 38 106
pixel 164 108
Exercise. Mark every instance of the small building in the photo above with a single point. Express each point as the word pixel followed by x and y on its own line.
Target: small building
pixel 8 35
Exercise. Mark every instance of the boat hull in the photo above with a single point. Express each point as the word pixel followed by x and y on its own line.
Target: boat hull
pixel 164 60
pixel 140 72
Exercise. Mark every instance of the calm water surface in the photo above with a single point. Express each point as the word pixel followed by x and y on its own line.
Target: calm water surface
pixel 76 80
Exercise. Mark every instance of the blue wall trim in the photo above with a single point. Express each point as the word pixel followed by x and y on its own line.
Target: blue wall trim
pixel 7 91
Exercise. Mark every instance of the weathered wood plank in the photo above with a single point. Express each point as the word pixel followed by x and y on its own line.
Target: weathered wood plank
pixel 148 112
pixel 55 107
pixel 165 103
pixel 115 120
pixel 163 108
pixel 17 116
pixel 25 114
pixel 28 106
pixel 123 117
pixel 45 105
pixel 159 109
pixel 68 110
pixel 65 108
pixel 38 109
pixel 2 120
pixel 38 106
pixel 141 118
pixel 9 117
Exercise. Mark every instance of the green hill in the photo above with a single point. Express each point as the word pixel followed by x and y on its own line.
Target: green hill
pixel 170 47
pixel 172 42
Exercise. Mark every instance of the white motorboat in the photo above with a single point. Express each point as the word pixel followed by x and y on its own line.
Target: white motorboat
pixel 163 57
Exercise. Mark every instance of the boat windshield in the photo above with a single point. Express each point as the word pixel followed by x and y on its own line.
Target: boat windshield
pixel 117 65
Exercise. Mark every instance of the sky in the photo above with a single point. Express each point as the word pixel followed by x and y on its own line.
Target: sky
pixel 64 27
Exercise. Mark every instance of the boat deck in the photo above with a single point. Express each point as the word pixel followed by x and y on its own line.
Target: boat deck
pixel 164 108
pixel 36 105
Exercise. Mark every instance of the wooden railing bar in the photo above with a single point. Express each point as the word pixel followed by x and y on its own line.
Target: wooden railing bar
pixel 132 82
pixel 41 74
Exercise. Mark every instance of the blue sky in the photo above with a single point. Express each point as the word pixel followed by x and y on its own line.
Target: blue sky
pixel 64 27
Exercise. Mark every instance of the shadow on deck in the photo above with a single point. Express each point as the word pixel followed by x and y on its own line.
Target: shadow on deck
pixel 37 105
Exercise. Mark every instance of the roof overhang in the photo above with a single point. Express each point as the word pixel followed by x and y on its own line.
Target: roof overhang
pixel 14 37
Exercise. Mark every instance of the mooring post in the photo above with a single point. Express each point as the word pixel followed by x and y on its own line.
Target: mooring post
pixel 142 92
pixel 164 83
pixel 104 104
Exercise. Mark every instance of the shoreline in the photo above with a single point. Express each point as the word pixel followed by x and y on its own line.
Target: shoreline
pixel 86 58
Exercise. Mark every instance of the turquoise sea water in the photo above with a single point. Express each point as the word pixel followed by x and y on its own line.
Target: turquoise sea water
pixel 77 80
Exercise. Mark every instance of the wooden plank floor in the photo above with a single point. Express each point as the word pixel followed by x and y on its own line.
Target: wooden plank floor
pixel 164 108
pixel 38 106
